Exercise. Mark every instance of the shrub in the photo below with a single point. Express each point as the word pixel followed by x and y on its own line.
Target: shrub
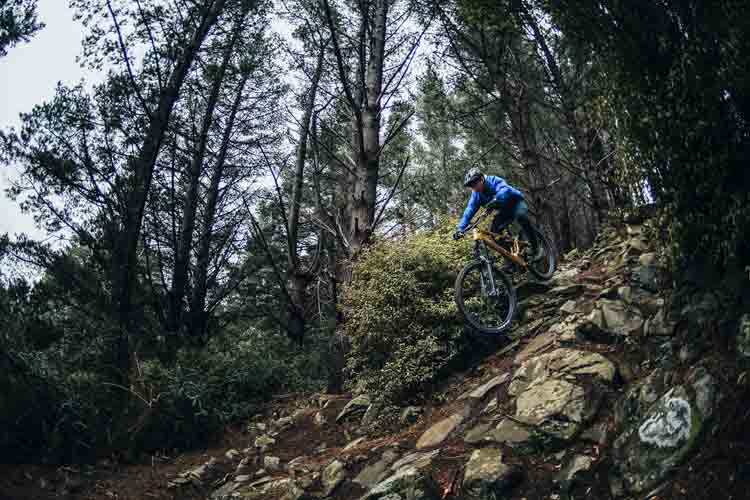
pixel 221 384
pixel 401 317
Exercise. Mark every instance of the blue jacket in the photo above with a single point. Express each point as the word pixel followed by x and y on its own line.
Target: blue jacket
pixel 495 188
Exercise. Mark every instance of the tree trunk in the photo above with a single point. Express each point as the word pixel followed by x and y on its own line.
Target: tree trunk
pixel 297 279
pixel 364 194
pixel 198 315
pixel 185 244
pixel 125 253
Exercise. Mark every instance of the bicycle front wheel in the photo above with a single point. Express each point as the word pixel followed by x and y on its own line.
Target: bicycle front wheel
pixel 486 311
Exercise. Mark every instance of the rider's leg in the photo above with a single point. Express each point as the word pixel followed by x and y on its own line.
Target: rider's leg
pixel 522 216
pixel 502 219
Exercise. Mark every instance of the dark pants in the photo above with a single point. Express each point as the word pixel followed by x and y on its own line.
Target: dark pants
pixel 519 212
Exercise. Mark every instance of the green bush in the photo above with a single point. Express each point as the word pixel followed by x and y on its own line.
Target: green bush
pixel 401 319
pixel 222 383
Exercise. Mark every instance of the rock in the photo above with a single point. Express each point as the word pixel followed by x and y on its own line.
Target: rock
pixel 416 460
pixel 264 442
pixel 198 475
pixel 225 492
pixel 354 444
pixel 481 391
pixel 301 413
pixel 491 406
pixel 410 414
pixel 658 325
pixel 598 433
pixel 571 254
pixel 571 472
pixel 633 229
pixel 333 475
pixel 232 454
pixel 636 245
pixel 647 259
pixel 571 290
pixel 562 363
pixel 272 464
pixel 320 419
pixel 477 433
pixel 371 414
pixel 300 465
pixel 558 407
pixel 373 474
pixel 441 430
pixel 486 475
pixel 284 423
pixel 649 450
pixel 648 277
pixel 528 288
pixel 406 484
pixel 705 389
pixel 243 467
pixel 510 433
pixel 177 482
pixel 538 344
pixel 743 336
pixel 638 399
pixel 617 317
pixel 294 492
pixel 569 307
pixel 356 405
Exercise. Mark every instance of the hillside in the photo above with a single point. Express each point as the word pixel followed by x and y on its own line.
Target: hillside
pixel 610 385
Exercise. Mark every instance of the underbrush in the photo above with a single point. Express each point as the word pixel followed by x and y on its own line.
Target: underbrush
pixel 401 318
pixel 51 411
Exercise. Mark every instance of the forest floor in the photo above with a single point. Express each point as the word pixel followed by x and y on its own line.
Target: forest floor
pixel 717 469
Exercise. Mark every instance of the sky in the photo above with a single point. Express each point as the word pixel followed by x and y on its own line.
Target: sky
pixel 28 76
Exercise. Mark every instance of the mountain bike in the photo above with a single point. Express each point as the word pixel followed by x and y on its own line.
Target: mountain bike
pixel 484 293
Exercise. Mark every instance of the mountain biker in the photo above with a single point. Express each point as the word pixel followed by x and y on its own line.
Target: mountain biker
pixel 495 193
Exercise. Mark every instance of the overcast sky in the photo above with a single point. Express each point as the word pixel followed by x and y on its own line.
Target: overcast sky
pixel 28 76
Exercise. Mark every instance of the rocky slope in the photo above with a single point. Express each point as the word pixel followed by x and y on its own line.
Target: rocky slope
pixel 610 385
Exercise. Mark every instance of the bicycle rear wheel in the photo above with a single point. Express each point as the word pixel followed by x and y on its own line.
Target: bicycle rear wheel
pixel 544 268
pixel 485 313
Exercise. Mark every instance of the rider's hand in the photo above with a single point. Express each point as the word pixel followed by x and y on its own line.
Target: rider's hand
pixel 458 235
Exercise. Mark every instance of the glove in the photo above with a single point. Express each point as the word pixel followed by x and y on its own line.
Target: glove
pixel 458 235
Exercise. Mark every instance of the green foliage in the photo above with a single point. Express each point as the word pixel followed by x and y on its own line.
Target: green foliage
pixel 220 384
pixel 18 23
pixel 401 318
pixel 679 82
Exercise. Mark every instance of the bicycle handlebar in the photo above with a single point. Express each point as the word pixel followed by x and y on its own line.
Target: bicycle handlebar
pixel 487 212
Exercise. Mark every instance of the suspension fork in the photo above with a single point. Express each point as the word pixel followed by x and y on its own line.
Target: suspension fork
pixel 480 251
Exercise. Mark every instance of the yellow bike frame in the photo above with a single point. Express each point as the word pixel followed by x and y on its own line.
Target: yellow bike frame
pixel 489 238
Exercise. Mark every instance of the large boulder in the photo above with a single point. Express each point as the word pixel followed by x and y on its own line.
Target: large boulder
pixel 617 317
pixel 551 401
pixel 486 475
pixel 661 435
pixel 557 408
pixel 564 364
